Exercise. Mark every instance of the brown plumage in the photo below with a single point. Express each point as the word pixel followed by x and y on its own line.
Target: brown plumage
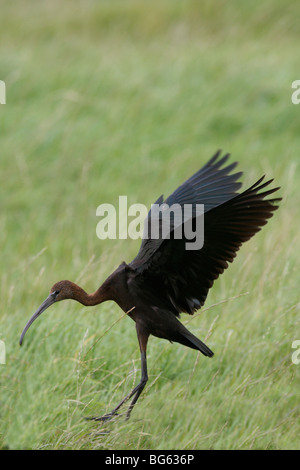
pixel 165 278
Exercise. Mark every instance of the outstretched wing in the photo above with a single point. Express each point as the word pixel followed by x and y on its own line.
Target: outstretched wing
pixel 179 279
pixel 211 186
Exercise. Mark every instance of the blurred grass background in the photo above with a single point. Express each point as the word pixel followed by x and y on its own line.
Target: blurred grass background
pixel 125 98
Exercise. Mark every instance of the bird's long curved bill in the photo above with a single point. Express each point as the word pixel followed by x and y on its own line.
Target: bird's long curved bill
pixel 49 301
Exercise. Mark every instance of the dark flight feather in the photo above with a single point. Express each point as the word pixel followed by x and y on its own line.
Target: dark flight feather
pixel 182 278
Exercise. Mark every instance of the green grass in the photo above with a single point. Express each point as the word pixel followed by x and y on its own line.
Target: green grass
pixel 113 98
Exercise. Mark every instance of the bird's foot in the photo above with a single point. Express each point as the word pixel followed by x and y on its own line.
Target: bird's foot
pixel 103 418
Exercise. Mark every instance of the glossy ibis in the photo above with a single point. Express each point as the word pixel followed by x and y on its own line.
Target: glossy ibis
pixel 165 278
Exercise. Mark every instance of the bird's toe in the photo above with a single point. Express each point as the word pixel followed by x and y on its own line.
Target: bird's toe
pixel 104 418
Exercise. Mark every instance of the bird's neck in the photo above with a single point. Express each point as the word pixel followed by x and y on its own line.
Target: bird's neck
pixel 100 295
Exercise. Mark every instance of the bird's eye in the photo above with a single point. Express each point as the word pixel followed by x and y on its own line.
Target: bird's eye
pixel 55 293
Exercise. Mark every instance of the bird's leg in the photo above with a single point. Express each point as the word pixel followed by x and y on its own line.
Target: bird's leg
pixel 136 392
pixel 140 387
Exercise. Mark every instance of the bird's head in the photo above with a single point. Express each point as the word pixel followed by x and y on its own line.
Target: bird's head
pixel 60 291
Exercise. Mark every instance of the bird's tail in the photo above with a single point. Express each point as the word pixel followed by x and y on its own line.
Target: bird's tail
pixel 186 338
